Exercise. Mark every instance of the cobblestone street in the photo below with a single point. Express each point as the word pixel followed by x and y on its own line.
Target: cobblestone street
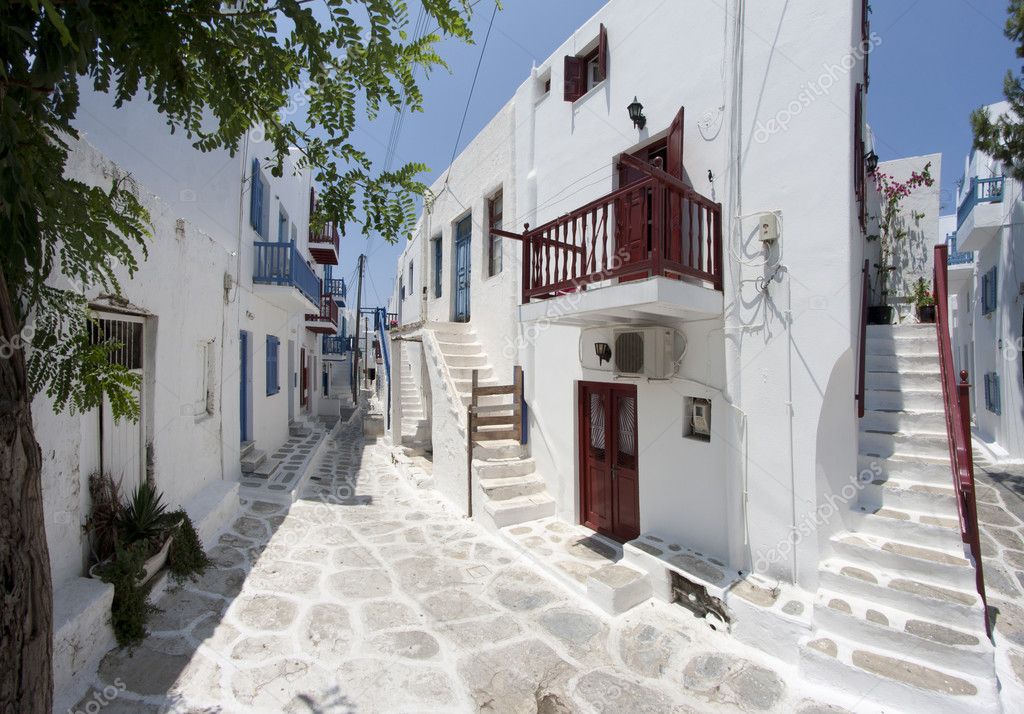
pixel 368 595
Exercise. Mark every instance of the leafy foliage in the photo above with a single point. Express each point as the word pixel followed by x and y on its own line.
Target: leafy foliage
pixel 144 519
pixel 106 512
pixel 891 226
pixel 301 73
pixel 922 293
pixel 1002 138
pixel 131 607
pixel 186 558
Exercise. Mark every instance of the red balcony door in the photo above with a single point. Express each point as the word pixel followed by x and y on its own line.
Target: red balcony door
pixel 636 213
pixel 609 479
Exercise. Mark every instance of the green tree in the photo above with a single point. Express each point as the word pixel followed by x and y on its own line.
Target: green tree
pixel 1002 137
pixel 238 63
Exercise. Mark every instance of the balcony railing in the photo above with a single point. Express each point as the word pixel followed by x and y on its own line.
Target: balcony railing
pixel 281 264
pixel 327 318
pixel 980 190
pixel 325 244
pixel 955 257
pixel 657 226
pixel 335 345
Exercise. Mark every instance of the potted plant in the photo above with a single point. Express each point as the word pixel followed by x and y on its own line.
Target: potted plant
pixel 924 300
pixel 891 231
pixel 143 520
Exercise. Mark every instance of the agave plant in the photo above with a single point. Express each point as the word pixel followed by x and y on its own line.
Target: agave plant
pixel 145 518
pixel 105 518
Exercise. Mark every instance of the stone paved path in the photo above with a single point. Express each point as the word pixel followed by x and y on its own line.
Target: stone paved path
pixel 370 596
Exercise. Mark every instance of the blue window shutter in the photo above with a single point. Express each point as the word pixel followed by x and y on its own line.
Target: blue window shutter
pixel 255 204
pixel 273 386
pixel 994 286
pixel 996 400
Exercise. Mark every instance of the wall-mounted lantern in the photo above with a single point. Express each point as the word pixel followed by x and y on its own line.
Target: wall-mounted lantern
pixel 871 161
pixel 636 113
pixel 603 351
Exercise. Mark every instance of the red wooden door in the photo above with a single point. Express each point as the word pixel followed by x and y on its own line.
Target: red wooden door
pixel 303 378
pixel 609 482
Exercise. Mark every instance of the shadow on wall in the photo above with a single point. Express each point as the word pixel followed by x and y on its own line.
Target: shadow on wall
pixel 837 472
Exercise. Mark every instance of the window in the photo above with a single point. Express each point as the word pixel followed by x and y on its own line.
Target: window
pixel 273 385
pixel 992 396
pixel 989 292
pixel 259 204
pixel 859 152
pixel 204 402
pixel 584 72
pixel 494 210
pixel 437 265
pixel 282 225
pixel 401 289
pixel 411 282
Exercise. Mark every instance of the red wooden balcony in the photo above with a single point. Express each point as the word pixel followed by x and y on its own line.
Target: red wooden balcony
pixel 657 226
pixel 326 321
pixel 324 244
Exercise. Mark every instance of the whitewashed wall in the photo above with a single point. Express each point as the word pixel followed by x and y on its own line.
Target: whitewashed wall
pixel 181 286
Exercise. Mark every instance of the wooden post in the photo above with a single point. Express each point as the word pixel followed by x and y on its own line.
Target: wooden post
pixel 526 265
pixel 964 395
pixel 517 401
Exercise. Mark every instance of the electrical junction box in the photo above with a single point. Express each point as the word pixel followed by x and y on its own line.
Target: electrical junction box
pixel 769 227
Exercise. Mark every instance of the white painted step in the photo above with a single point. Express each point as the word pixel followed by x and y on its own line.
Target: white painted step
pixel 503 468
pixel 449 349
pixel 909 467
pixel 498 450
pixel 958 607
pixel 466 373
pixel 909 526
pixel 941 567
pixel 882 444
pixel 520 509
pixel 468 361
pixel 905 399
pixel 897 420
pixel 928 362
pixel 933 498
pixel 906 380
pixel 884 627
pixel 889 684
pixel 252 460
pixel 448 337
pixel 509 487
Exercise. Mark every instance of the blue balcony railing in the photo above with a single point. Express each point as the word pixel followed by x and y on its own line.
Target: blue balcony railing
pixel 336 287
pixel 980 190
pixel 335 345
pixel 281 264
pixel 954 257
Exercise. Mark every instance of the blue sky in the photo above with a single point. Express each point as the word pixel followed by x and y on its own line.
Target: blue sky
pixel 938 60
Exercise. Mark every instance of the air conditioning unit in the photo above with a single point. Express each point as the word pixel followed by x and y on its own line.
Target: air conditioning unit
pixel 644 352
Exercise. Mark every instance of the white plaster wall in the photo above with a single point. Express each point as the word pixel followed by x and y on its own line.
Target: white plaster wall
pixel 919 216
pixel 181 285
pixel 781 358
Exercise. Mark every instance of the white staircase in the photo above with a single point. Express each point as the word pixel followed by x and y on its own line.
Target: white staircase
pixel 897 617
pixel 415 428
pixel 255 461
pixel 508 489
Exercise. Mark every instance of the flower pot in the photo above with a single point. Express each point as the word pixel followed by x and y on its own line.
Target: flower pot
pixel 880 315
pixel 151 566
pixel 926 313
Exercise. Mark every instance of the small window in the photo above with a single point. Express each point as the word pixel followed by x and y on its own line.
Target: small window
pixel 256 199
pixel 494 213
pixel 412 283
pixel 282 225
pixel 206 365
pixel 989 292
pixel 437 265
pixel 401 289
pixel 992 395
pixel 273 385
pixel 585 71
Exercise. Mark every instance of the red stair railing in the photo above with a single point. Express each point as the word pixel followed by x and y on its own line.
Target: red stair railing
pixel 862 355
pixel 956 400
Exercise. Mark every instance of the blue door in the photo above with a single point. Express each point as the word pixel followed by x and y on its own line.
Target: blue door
pixel 243 404
pixel 463 268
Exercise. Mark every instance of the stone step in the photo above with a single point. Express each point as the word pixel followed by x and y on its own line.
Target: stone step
pixel 503 468
pixel 495 400
pixel 449 337
pixel 903 345
pixel 909 526
pixel 247 447
pixel 521 509
pixel 894 681
pixel 908 329
pixel 897 420
pixel 883 444
pixel 267 469
pixel 900 363
pixel 509 487
pixel 466 360
pixel 932 498
pixel 299 429
pixel 450 349
pixel 499 450
pixel 617 588
pixel 878 626
pixel 910 399
pixel 905 380
pixel 958 607
pixel 464 384
pixel 450 327
pixel 466 373
pixel 944 567
pixel 909 467
pixel 252 460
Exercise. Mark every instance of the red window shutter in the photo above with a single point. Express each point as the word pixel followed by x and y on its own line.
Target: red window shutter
pixel 602 53
pixel 675 146
pixel 575 78
pixel 312 200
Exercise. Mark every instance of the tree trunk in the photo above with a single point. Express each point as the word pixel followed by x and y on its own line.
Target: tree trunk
pixel 26 595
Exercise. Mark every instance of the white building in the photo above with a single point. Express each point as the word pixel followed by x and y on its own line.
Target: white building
pixel 987 307
pixel 683 293
pixel 232 323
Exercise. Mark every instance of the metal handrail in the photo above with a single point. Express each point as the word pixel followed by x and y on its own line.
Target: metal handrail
pixel 862 354
pixel 956 400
